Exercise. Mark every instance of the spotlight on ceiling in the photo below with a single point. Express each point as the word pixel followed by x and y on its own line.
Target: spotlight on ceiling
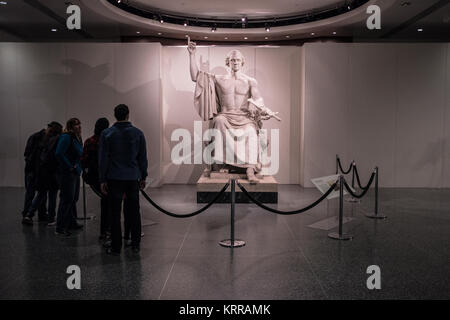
pixel 185 23
pixel 244 19
pixel 267 28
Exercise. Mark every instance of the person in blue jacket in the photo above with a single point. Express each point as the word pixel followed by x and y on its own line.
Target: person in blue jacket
pixel 122 171
pixel 68 154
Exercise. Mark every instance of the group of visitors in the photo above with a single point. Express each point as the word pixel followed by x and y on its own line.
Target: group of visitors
pixel 113 161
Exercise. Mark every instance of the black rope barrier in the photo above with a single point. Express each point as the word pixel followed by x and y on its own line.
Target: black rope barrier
pixel 340 166
pixel 355 170
pixel 221 192
pixel 365 189
pixel 260 204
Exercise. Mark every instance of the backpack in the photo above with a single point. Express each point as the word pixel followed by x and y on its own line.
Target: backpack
pixel 47 157
pixel 90 167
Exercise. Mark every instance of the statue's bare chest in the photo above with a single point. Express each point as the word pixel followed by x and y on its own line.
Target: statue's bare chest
pixel 233 86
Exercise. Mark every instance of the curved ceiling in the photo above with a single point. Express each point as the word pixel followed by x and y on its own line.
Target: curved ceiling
pixel 236 8
pixel 223 8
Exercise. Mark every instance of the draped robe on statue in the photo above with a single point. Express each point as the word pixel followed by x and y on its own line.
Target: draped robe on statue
pixel 239 143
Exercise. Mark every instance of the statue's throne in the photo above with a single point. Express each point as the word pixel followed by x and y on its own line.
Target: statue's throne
pixel 214 178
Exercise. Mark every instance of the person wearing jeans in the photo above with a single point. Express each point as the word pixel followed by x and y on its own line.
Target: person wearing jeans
pixel 68 153
pixel 46 181
pixel 123 170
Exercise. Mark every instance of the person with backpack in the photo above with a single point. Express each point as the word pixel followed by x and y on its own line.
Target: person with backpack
pixel 45 181
pixel 68 153
pixel 89 162
pixel 31 165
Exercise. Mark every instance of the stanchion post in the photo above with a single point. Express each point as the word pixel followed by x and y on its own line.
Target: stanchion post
pixel 232 243
pixel 84 205
pixel 353 174
pixel 340 235
pixel 375 215
pixel 337 164
pixel 84 200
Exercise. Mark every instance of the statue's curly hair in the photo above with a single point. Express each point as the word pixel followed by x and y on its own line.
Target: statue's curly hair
pixel 232 52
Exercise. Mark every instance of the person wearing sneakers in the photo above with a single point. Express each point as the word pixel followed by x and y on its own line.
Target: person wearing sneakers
pixel 46 181
pixel 68 153
pixel 123 170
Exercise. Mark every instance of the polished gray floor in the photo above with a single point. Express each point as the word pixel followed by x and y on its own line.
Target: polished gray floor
pixel 284 257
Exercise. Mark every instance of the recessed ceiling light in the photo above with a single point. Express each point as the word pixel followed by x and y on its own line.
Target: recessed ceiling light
pixel 206 37
pixel 54 30
pixel 420 29
pixel 226 38
pixel 243 19
pixel 138 32
pixel 245 38
pixel 159 33
pixel 334 32
pixel 266 38
pixel 186 36
pixel 312 33
pixel 3 2
pixel 288 36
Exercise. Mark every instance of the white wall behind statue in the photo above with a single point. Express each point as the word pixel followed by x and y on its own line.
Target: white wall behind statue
pixel 380 104
pixel 277 71
pixel 44 82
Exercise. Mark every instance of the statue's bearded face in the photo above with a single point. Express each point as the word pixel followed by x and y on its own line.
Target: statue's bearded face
pixel 235 61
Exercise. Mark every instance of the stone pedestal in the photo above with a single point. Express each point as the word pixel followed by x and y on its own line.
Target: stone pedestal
pixel 266 191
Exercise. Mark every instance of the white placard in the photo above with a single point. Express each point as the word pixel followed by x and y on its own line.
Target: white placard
pixel 324 183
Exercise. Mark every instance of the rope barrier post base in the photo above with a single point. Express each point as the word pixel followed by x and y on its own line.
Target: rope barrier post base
pixel 375 215
pixel 84 206
pixel 232 243
pixel 340 235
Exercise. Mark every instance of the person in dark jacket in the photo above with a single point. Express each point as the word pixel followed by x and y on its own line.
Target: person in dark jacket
pixel 45 181
pixel 89 162
pixel 68 154
pixel 31 165
pixel 123 170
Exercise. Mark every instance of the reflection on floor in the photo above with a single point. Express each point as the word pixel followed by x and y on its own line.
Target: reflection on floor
pixel 283 258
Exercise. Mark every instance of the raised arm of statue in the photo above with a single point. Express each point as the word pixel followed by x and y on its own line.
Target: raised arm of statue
pixel 192 60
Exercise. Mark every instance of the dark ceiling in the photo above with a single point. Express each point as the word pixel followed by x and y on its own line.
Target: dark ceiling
pixel 33 21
